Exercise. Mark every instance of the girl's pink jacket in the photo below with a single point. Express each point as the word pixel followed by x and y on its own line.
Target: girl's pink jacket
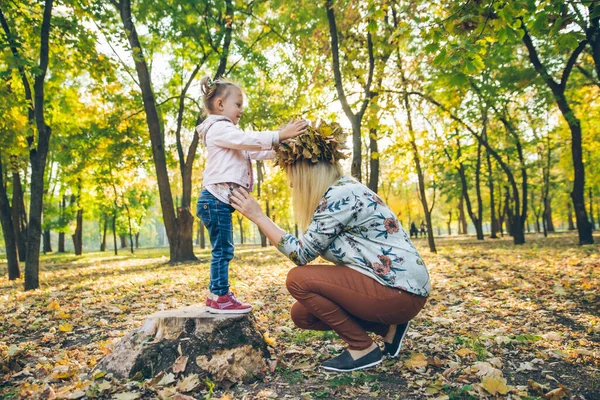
pixel 230 150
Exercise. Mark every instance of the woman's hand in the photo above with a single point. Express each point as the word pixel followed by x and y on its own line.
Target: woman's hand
pixel 246 204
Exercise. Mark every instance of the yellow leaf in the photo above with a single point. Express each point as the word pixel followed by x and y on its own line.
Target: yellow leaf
pixel 63 372
pixel 416 360
pixel 464 352
pixel 270 341
pixel 66 327
pixel 54 306
pixel 63 315
pixel 494 385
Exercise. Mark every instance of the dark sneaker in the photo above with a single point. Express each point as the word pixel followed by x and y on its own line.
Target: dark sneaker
pixel 227 304
pixel 345 363
pixel 393 349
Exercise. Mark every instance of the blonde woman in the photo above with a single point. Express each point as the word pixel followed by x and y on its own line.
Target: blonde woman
pixel 378 282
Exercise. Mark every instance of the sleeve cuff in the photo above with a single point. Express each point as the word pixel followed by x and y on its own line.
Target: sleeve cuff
pixel 275 138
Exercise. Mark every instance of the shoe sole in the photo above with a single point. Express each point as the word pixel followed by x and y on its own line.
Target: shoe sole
pixel 353 369
pixel 400 343
pixel 215 311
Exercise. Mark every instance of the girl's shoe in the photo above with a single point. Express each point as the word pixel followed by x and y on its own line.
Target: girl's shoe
pixel 227 304
pixel 393 349
pixel 345 363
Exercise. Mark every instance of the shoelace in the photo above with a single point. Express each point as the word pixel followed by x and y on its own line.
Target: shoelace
pixel 233 299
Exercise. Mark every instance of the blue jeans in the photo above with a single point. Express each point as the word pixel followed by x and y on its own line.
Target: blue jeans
pixel 216 216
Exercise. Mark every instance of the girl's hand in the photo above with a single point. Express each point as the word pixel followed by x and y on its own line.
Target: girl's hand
pixel 292 129
pixel 246 204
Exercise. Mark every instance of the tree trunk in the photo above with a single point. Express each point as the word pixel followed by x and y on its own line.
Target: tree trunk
pixel 462 220
pixel 479 225
pixel 61 242
pixel 104 229
pixel 202 235
pixel 37 159
pixel 78 235
pixel 8 231
pixel 155 129
pixel 355 118
pixel 420 175
pixel 558 90
pixel 570 216
pixel 493 219
pixel 47 243
pixel 123 239
pixel 19 217
pixel 374 161
pixel 114 229
pixel 240 223
pixel 450 223
pixel 591 195
pixel 465 191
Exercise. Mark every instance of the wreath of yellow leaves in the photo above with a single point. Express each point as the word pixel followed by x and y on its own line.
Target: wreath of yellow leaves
pixel 322 141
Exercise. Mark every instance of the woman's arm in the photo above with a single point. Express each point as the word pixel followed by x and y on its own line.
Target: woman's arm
pixel 317 238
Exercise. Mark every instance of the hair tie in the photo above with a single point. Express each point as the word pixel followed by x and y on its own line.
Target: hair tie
pixel 211 83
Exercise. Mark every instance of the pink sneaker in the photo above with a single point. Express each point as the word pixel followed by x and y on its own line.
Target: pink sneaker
pixel 227 304
pixel 210 301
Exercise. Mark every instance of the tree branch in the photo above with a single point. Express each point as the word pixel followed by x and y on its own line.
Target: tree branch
pixel 336 60
pixel 571 63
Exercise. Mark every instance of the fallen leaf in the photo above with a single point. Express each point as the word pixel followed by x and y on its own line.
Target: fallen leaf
pixel 416 360
pixel 189 383
pixel 180 364
pixel 66 327
pixel 126 396
pixel 494 385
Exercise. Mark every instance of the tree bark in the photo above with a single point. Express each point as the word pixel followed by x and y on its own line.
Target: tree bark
pixel 558 90
pixel 450 223
pixel 493 219
pixel 373 160
pixel 47 244
pixel 354 118
pixel 78 234
pixel 420 175
pixel 155 129
pixel 591 196
pixel 8 231
pixel 104 229
pixel 462 220
pixel 114 229
pixel 19 217
pixel 37 159
pixel 570 216
pixel 240 223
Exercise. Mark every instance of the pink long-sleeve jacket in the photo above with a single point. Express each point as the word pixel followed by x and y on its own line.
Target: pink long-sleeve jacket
pixel 230 150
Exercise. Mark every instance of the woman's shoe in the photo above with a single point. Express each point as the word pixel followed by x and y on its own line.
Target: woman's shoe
pixel 345 363
pixel 393 349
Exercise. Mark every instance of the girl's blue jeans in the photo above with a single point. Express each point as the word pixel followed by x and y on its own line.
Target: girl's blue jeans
pixel 216 216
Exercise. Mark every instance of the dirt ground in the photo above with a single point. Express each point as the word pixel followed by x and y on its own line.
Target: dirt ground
pixel 502 322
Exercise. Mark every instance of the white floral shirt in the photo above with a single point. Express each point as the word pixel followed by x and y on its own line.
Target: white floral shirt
pixel 353 227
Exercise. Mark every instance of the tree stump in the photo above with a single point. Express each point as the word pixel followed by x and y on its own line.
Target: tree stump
pixel 226 347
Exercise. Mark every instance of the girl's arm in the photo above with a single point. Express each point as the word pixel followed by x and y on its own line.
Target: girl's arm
pixel 233 137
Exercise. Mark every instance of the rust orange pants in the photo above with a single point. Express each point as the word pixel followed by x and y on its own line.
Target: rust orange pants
pixel 350 303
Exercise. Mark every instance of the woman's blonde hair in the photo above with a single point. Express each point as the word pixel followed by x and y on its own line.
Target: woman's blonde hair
pixel 309 182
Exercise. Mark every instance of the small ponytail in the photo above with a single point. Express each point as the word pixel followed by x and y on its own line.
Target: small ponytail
pixel 212 89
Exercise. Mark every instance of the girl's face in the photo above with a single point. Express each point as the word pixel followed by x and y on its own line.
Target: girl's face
pixel 233 106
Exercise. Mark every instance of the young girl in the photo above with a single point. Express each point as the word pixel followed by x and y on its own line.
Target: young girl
pixel 228 167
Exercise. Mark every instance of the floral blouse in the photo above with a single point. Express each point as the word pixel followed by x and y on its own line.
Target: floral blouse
pixel 353 227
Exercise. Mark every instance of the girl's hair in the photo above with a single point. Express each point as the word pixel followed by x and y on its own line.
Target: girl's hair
pixel 309 182
pixel 211 89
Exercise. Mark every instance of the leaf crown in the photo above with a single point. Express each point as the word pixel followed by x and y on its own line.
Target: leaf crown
pixel 322 141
